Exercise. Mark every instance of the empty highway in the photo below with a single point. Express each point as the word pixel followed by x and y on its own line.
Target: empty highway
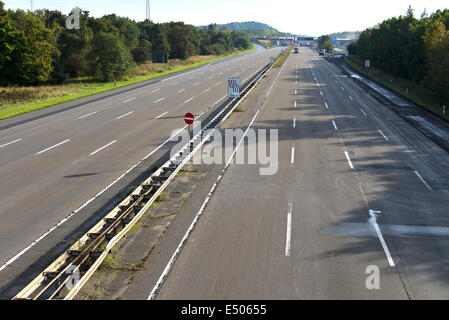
pixel 356 187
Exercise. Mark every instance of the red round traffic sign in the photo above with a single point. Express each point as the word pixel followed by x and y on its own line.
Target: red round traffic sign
pixel 188 118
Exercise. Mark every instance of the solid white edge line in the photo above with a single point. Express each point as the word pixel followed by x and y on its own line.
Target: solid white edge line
pixel 6 144
pixel 98 150
pixel 89 114
pixel 289 230
pixel 373 222
pixel 349 159
pixel 422 180
pixel 56 145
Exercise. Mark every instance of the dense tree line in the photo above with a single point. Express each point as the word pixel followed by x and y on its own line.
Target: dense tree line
pixel 412 48
pixel 36 47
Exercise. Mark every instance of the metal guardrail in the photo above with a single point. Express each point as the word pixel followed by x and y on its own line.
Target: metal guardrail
pixel 86 255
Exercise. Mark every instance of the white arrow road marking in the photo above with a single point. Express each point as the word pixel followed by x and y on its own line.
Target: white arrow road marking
pixel 373 222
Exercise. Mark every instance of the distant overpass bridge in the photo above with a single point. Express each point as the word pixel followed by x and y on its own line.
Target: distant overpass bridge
pixel 288 40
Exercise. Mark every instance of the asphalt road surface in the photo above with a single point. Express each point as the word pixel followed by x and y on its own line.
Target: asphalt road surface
pixel 55 161
pixel 357 188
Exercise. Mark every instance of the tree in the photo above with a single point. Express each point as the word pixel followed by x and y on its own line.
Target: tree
pixel 436 40
pixel 180 42
pixel 31 60
pixel 325 42
pixel 159 42
pixel 112 58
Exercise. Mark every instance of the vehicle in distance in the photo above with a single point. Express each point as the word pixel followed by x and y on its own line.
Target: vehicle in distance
pixel 322 52
pixel 296 50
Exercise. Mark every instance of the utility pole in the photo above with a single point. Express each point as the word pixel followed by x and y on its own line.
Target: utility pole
pixel 148 10
pixel 31 5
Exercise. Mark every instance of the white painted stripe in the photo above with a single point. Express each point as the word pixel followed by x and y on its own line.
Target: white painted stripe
pixel 294 122
pixel 342 88
pixel 289 230
pixel 295 104
pixel 373 222
pixel 7 144
pixel 321 92
pixel 181 90
pixel 156 90
pixel 188 100
pixel 422 180
pixel 161 115
pixel 210 78
pixel 126 114
pixel 335 125
pixel 56 145
pixel 129 100
pixel 292 158
pixel 327 107
pixel 206 90
pixel 158 100
pixel 89 114
pixel 351 98
pixel 98 150
pixel 195 84
pixel 363 111
pixel 382 134
pixel 218 83
pixel 349 159
pixel 174 84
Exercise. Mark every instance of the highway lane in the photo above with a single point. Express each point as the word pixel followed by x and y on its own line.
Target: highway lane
pixel 58 162
pixel 357 186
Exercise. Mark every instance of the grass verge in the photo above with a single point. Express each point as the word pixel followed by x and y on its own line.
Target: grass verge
pixel 282 58
pixel 423 97
pixel 17 100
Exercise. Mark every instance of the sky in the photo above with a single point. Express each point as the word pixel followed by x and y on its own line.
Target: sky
pixel 307 17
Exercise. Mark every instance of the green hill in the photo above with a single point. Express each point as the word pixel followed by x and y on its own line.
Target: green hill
pixel 250 28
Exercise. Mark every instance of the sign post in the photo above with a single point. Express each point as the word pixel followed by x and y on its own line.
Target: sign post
pixel 189 118
pixel 234 87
